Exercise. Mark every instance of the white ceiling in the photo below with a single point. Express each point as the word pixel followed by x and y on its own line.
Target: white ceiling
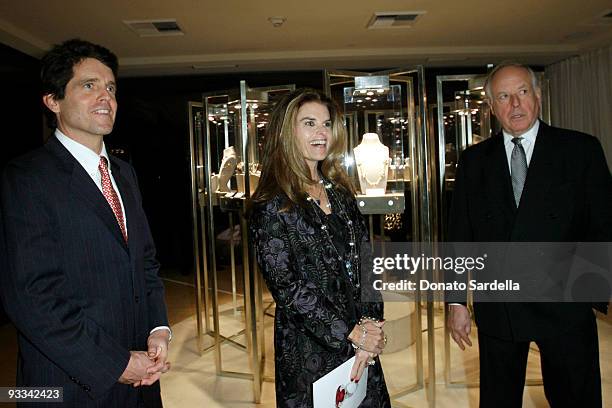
pixel 235 35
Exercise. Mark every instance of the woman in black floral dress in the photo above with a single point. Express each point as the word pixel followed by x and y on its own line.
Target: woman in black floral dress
pixel 311 242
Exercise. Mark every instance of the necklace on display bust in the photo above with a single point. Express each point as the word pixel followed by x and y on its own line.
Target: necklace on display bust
pixel 372 160
pixel 366 169
pixel 227 168
pixel 350 259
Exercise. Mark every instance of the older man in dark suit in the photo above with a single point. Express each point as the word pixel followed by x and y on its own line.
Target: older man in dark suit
pixel 531 183
pixel 79 277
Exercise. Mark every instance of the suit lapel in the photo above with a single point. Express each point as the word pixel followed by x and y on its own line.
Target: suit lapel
pixel 497 177
pixel 86 190
pixel 541 171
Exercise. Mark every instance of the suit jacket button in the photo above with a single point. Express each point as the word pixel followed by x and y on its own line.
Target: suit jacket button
pixel 137 299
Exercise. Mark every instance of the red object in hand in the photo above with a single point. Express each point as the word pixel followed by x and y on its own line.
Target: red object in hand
pixel 340 394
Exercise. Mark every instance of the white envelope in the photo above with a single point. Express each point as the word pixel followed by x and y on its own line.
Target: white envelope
pixel 338 383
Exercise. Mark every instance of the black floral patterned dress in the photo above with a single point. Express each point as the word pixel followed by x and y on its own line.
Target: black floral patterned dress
pixel 317 303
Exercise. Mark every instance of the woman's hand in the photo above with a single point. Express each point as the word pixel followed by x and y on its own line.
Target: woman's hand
pixel 369 336
pixel 362 360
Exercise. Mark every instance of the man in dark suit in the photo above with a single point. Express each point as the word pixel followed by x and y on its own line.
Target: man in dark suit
pixel 79 277
pixel 531 183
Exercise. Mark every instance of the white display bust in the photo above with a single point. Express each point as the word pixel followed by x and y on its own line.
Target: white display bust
pixel 228 165
pixel 372 160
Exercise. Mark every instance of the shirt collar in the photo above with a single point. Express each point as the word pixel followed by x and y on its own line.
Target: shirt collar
pixel 529 136
pixel 83 154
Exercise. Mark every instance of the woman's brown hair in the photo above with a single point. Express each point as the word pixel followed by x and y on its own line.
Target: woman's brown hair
pixel 284 169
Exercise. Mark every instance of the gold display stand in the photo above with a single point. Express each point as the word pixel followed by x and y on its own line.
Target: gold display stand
pixel 402 126
pixel 226 119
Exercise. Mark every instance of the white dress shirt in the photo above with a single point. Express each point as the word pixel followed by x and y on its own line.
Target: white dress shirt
pixel 529 138
pixel 90 161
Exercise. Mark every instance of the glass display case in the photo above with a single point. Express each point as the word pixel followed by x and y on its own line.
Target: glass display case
pixel 375 109
pixel 227 133
pixel 459 119
pixel 387 159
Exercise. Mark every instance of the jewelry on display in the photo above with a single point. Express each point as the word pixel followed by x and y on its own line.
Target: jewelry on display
pixel 371 362
pixel 226 170
pixel 372 160
pixel 385 339
pixel 393 222
pixel 365 172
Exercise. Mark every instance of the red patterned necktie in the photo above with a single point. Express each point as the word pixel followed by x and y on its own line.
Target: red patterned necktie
pixel 111 196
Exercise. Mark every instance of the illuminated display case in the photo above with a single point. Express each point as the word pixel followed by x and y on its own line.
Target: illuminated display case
pixel 379 110
pixel 388 159
pixel 227 134
pixel 225 115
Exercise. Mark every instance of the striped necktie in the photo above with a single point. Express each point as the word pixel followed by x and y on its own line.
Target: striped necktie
pixel 518 168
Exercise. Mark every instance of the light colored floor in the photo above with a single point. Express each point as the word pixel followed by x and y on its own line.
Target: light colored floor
pixel 193 382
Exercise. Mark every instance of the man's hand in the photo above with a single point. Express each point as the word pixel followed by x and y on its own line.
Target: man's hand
pixel 158 353
pixel 136 370
pixel 460 325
